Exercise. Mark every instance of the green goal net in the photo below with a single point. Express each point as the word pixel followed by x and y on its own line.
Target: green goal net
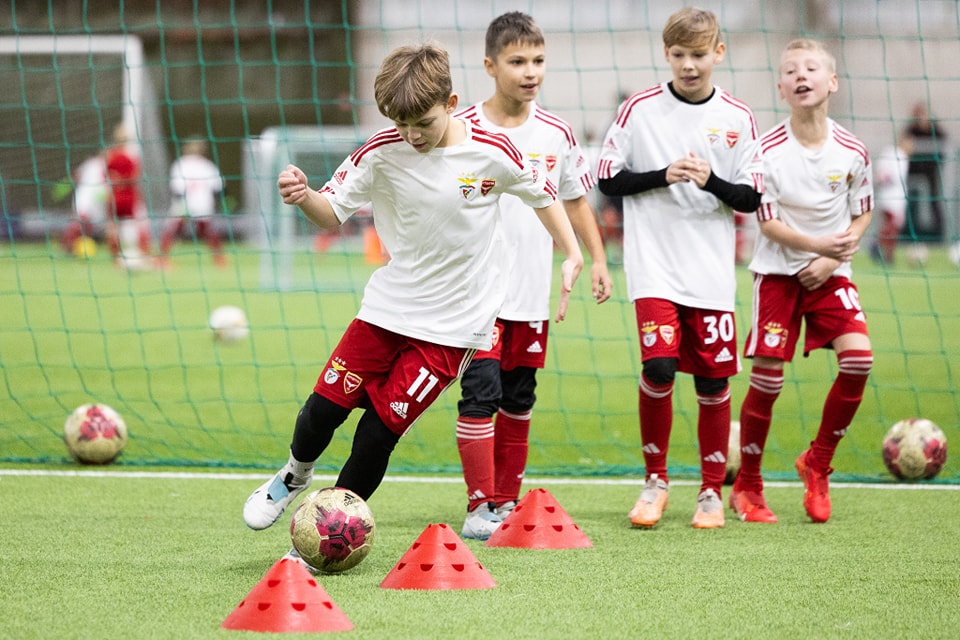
pixel 265 84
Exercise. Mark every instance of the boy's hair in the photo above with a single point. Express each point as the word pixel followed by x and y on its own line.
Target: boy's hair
pixel 510 28
pixel 692 27
pixel 412 80
pixel 809 44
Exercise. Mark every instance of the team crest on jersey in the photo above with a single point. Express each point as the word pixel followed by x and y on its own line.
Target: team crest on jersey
pixel 713 135
pixel 340 176
pixel 649 331
pixel 533 159
pixel 774 335
pixel 666 332
pixel 834 180
pixel 487 185
pixel 331 375
pixel 467 188
pixel 551 162
pixel 351 382
pixel 732 138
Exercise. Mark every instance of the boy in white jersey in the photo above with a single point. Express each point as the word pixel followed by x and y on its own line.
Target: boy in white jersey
pixel 91 198
pixel 434 182
pixel 817 203
pixel 683 155
pixel 502 380
pixel 195 188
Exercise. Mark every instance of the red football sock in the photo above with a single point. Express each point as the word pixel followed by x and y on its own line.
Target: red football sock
pixel 713 435
pixel 656 422
pixel 510 454
pixel 841 405
pixel 169 235
pixel 755 416
pixel 475 444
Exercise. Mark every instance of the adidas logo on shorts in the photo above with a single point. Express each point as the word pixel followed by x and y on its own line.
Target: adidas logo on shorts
pixel 400 408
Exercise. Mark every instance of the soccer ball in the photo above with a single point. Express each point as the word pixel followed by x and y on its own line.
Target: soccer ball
pixel 94 434
pixel 229 324
pixel 915 448
pixel 332 530
pixel 733 453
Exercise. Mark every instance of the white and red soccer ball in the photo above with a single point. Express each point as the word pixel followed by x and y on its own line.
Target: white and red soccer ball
pixel 914 449
pixel 229 324
pixel 332 530
pixel 94 434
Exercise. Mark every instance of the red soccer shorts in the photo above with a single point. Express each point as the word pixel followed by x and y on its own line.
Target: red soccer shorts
pixel 397 375
pixel 518 343
pixel 704 341
pixel 780 303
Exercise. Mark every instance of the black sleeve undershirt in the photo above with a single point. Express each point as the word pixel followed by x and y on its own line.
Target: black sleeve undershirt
pixel 739 197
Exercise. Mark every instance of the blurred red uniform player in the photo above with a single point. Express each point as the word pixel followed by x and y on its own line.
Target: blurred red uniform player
pixel 124 175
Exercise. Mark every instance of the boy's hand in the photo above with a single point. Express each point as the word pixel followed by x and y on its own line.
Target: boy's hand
pixel 840 246
pixel 569 271
pixel 817 272
pixel 600 282
pixel 292 184
pixel 689 169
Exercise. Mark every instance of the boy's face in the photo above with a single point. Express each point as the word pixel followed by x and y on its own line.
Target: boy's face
pixel 806 78
pixel 692 67
pixel 429 131
pixel 518 71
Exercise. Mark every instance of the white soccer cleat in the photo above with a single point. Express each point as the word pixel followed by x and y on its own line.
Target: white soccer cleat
pixel 481 523
pixel 294 555
pixel 266 504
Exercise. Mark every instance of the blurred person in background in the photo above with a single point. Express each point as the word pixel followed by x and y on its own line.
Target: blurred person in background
pixel 195 189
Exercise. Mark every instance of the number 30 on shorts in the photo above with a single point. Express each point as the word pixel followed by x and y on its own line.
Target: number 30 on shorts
pixel 718 328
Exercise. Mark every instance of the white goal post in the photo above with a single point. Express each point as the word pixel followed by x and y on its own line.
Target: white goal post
pixel 72 90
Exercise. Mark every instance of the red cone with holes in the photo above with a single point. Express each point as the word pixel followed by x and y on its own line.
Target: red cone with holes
pixel 539 522
pixel 287 600
pixel 438 559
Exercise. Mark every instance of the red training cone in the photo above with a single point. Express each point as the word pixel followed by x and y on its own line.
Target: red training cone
pixel 438 559
pixel 539 522
pixel 287 599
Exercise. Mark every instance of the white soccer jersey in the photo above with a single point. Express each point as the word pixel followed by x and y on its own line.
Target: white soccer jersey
pixel 679 241
pixel 195 181
pixel 890 168
pixel 91 192
pixel 438 216
pixel 550 146
pixel 816 192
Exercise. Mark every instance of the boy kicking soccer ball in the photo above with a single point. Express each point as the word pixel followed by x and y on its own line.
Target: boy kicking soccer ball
pixel 434 182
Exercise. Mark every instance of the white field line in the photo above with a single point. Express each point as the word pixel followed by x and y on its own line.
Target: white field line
pixel 533 481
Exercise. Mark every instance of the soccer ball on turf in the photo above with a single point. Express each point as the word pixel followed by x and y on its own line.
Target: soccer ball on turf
pixel 915 448
pixel 332 530
pixel 733 453
pixel 229 324
pixel 94 434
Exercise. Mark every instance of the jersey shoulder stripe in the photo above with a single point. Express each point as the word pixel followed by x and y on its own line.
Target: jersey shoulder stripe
pixel 470 113
pixel 846 139
pixel 743 106
pixel 634 100
pixel 773 138
pixel 545 116
pixel 500 141
pixel 379 139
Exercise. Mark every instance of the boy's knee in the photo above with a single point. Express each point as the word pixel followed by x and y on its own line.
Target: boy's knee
pixel 660 370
